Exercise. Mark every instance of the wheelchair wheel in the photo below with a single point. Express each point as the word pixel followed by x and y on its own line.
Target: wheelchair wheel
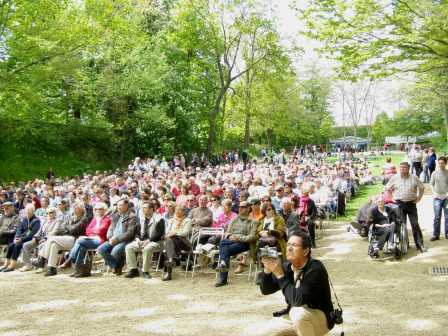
pixel 403 240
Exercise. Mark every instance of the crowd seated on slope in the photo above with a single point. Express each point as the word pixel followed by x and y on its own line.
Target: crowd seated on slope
pixel 157 209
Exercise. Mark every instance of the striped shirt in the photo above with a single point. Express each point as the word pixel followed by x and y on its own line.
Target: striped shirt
pixel 404 188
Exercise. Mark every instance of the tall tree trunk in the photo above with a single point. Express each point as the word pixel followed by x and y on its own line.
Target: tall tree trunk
pixel 248 105
pixel 269 136
pixel 223 116
pixel 247 131
pixel 212 121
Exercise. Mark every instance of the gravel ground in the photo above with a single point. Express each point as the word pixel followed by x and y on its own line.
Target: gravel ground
pixel 379 297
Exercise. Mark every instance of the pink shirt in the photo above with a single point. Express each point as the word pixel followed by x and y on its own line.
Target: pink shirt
pixel 223 220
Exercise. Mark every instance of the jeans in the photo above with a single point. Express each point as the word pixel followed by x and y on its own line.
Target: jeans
pixel 409 209
pixel 113 255
pixel 426 174
pixel 78 252
pixel 440 205
pixel 228 248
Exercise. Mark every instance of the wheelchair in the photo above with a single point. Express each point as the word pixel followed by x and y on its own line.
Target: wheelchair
pixel 397 243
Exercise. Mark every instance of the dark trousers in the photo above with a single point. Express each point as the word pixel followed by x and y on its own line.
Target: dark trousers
pixel 14 251
pixel 6 238
pixel 228 248
pixel 417 167
pixel 384 234
pixel 409 209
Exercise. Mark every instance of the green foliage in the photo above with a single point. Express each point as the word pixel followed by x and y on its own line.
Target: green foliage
pixel 378 38
pixel 113 79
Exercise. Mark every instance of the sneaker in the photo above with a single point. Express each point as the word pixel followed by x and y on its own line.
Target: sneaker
pixel 26 268
pixel 146 275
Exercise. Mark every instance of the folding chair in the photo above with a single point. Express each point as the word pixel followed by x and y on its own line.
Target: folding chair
pixel 184 253
pixel 3 251
pixel 217 232
pixel 253 263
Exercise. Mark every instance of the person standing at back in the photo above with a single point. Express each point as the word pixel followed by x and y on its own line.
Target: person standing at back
pixel 407 190
pixel 439 186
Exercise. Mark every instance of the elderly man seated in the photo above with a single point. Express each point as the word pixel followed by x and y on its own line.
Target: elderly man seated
pixel 63 237
pixel 46 230
pixel 290 217
pixel 121 231
pixel 240 233
pixel 8 223
pixel 27 229
pixel 147 241
pixel 200 217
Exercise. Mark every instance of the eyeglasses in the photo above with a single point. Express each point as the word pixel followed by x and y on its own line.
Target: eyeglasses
pixel 269 209
pixel 293 245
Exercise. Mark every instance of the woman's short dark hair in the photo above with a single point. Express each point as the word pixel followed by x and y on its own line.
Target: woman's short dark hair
pixel 305 239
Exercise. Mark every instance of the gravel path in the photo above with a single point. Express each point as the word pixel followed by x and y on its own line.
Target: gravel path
pixel 385 297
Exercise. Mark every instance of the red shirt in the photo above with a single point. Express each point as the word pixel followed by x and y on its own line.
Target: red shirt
pixel 100 230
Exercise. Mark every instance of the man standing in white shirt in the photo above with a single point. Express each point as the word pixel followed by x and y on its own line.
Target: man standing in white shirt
pixel 439 186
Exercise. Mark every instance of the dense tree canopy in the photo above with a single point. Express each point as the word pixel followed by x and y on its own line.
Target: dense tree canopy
pixel 376 38
pixel 163 76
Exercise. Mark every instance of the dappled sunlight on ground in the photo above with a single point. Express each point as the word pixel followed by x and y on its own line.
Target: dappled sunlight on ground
pixel 387 296
pixel 421 325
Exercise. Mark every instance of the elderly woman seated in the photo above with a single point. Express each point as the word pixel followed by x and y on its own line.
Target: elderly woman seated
pixel 95 235
pixel 271 230
pixel 176 240
pixel 383 226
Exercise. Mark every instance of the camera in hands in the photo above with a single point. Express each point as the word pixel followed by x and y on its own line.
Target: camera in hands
pixel 269 252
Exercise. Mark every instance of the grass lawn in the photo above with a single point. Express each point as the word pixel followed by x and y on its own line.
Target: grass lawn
pixel 16 166
pixel 365 192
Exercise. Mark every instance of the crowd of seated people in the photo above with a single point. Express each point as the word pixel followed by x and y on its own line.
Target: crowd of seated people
pixel 156 209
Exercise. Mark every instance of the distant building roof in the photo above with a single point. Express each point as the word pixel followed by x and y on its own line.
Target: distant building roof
pixel 350 140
